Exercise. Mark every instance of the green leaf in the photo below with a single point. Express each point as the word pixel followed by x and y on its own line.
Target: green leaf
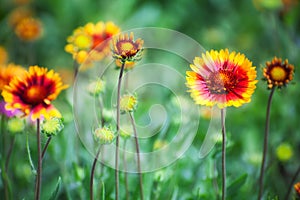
pixel 55 192
pixel 235 186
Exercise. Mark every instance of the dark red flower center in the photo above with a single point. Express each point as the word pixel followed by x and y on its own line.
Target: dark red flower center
pixel 221 82
pixel 35 94
pixel 127 48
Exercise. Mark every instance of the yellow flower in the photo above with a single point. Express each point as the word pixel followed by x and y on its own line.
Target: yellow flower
pixel 221 78
pixel 8 72
pixel 278 73
pixel 33 94
pixel 128 103
pixel 29 29
pixel 126 49
pixel 91 41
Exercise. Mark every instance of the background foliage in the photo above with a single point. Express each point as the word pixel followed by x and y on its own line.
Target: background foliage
pixel 261 29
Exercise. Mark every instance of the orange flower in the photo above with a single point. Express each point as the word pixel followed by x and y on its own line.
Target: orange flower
pixel 278 73
pixel 18 15
pixel 222 79
pixel 91 41
pixel 33 94
pixel 3 56
pixel 297 188
pixel 29 29
pixel 7 73
pixel 126 49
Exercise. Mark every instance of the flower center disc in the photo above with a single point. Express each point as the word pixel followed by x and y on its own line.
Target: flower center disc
pixel 220 82
pixel 126 47
pixel 278 73
pixel 34 95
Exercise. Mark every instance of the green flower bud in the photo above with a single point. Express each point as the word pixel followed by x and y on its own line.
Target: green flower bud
pixel 96 87
pixel 52 126
pixel 104 135
pixel 15 125
pixel 128 103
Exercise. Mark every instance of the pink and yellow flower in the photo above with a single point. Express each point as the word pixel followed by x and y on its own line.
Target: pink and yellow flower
pixel 221 78
pixel 91 41
pixel 32 95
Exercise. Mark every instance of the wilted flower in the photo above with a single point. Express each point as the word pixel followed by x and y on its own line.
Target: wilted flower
pixel 278 73
pixel 96 87
pixel 222 79
pixel 104 135
pixel 126 49
pixel 8 72
pixel 128 103
pixel 91 41
pixel 52 126
pixel 29 29
pixel 32 95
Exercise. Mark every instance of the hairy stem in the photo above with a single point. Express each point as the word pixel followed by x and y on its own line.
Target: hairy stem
pixel 118 136
pixel 92 174
pixel 137 155
pixel 223 155
pixel 39 167
pixel 265 148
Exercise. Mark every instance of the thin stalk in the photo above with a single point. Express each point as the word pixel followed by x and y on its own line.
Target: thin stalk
pixel 101 111
pixel 292 183
pixel 46 146
pixel 39 167
pixel 223 155
pixel 125 172
pixel 118 136
pixel 137 155
pixel 265 148
pixel 11 146
pixel 92 174
pixel 75 65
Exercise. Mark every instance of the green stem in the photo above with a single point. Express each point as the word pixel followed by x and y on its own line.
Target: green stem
pixel 11 146
pixel 292 183
pixel 265 148
pixel 223 155
pixel 118 136
pixel 92 174
pixel 137 155
pixel 125 172
pixel 46 146
pixel 39 167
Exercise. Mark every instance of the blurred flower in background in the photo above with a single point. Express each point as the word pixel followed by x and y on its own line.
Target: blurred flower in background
pixel 284 152
pixel 3 56
pixel 29 29
pixel 92 40
pixel 8 72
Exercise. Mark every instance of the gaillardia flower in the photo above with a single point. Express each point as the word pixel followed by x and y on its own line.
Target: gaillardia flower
pixel 32 95
pixel 278 73
pixel 52 126
pixel 126 49
pixel 104 135
pixel 128 103
pixel 29 29
pixel 222 79
pixel 8 72
pixel 297 188
pixel 93 39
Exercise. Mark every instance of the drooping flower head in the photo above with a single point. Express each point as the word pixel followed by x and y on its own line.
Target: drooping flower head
pixel 29 29
pixel 126 49
pixel 104 135
pixel 91 41
pixel 221 78
pixel 32 95
pixel 8 72
pixel 278 73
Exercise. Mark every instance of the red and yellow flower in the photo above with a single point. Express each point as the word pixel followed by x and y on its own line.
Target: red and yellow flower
pixel 8 72
pixel 297 189
pixel 32 95
pixel 91 41
pixel 278 73
pixel 125 49
pixel 221 78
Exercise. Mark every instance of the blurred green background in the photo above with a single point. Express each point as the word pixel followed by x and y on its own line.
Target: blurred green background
pixel 261 29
